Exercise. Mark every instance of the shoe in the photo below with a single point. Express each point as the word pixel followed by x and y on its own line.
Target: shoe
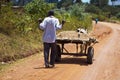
pixel 46 66
pixel 51 66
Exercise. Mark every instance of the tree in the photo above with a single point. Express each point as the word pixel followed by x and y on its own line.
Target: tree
pixel 77 10
pixel 1 2
pixel 38 8
pixel 64 3
pixel 99 2
pixel 103 2
pixel 78 1
pixel 94 2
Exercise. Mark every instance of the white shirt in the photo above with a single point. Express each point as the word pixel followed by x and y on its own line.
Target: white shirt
pixel 50 25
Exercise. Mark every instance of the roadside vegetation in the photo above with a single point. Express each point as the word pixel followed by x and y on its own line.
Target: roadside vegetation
pixel 19 32
pixel 101 10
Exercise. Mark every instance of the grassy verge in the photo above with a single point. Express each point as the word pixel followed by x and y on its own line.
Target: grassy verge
pixel 18 46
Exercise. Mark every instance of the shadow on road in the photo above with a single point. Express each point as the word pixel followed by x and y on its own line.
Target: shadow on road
pixel 73 60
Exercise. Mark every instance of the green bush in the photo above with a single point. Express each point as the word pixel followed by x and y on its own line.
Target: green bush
pixel 103 13
pixel 77 10
pixel 25 23
pixel 93 9
pixel 38 8
pixel 81 20
pixel 7 19
pixel 118 15
pixel 18 34
pixel 64 3
pixel 84 19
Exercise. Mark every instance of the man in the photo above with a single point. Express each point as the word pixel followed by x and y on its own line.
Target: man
pixel 96 20
pixel 50 24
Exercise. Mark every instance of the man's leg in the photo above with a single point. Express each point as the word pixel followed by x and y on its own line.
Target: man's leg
pixel 46 54
pixel 53 53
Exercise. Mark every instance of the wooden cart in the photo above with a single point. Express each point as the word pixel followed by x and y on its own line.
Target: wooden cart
pixel 86 45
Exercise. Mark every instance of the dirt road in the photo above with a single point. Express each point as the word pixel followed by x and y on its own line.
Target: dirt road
pixel 106 65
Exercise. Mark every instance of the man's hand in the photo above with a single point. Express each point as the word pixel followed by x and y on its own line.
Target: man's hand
pixel 63 22
pixel 40 20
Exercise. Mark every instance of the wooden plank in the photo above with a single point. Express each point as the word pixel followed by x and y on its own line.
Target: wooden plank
pixel 74 54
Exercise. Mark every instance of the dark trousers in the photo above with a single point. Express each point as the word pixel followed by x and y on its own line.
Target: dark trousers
pixel 48 54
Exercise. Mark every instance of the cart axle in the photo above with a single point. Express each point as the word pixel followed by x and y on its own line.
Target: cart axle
pixel 74 54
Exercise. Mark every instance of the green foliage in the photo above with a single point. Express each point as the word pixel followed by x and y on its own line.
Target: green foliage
pixel 103 3
pixel 25 23
pixel 62 14
pixel 103 13
pixel 83 18
pixel 35 9
pixel 102 10
pixel 12 21
pixel 17 34
pixel 38 7
pixel 86 23
pixel 100 3
pixel 64 3
pixel 7 19
pixel 77 10
pixel 93 9
pixel 112 10
pixel 78 1
pixel 118 15
pixel 100 17
pixel 75 17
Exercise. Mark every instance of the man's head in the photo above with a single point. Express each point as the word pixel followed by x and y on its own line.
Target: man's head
pixel 51 13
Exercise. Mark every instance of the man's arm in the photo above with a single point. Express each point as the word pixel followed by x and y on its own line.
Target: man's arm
pixel 42 24
pixel 58 25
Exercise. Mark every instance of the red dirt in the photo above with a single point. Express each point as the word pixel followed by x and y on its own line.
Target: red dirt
pixel 106 65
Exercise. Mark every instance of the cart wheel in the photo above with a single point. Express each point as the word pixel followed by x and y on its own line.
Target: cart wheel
pixel 58 54
pixel 90 55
